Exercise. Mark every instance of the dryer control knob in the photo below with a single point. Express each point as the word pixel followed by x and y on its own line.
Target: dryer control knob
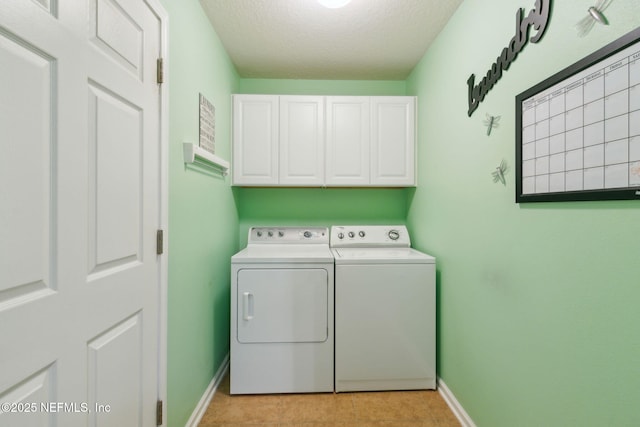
pixel 307 234
pixel 352 234
pixel 361 233
pixel 340 235
pixel 394 234
pixel 280 233
pixel 259 233
pixel 271 234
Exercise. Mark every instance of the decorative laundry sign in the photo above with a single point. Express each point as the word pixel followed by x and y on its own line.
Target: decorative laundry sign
pixel 538 18
pixel 207 125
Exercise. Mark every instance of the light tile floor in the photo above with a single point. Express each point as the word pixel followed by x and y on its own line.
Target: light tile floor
pixel 422 408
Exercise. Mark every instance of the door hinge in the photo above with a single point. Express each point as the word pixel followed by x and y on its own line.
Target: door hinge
pixel 159 413
pixel 160 71
pixel 159 242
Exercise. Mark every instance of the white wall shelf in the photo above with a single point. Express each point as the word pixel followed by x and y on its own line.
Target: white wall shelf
pixel 195 154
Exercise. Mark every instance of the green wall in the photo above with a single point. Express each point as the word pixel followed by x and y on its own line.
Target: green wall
pixel 203 220
pixel 538 303
pixel 320 206
pixel 323 87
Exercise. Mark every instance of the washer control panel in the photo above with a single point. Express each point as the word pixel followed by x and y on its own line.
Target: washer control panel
pixel 369 236
pixel 288 235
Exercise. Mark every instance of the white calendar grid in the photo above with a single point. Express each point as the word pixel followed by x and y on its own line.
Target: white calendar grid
pixel 584 132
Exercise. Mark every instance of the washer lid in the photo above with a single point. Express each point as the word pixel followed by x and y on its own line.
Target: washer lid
pixel 381 255
pixel 287 253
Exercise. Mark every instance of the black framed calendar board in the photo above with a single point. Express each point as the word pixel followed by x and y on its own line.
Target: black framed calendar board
pixel 578 132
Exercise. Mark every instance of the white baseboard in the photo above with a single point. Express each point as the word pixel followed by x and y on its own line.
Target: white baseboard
pixel 203 404
pixel 455 406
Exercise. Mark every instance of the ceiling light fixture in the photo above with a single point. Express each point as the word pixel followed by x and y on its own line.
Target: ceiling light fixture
pixel 334 4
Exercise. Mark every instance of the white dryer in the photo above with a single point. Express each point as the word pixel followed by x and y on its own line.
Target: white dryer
pixel 282 297
pixel 385 311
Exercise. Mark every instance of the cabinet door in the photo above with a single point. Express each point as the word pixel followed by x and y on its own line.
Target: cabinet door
pixel 348 132
pixel 302 140
pixel 393 141
pixel 255 139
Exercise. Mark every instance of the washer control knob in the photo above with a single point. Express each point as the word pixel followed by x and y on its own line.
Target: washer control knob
pixel 393 234
pixel 280 233
pixel 361 233
pixel 307 234
pixel 259 233
pixel 352 234
pixel 340 235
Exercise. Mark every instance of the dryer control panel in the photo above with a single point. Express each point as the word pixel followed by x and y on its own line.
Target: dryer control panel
pixel 369 236
pixel 288 235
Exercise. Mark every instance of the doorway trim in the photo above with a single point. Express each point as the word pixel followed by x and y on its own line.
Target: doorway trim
pixel 163 18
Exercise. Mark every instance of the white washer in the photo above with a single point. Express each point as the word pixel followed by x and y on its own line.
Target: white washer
pixel 385 310
pixel 282 297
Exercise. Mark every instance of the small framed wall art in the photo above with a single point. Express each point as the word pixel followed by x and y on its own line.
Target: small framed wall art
pixel 207 125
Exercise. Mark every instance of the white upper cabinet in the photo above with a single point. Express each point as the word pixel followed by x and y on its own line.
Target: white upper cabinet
pixel 393 141
pixel 347 140
pixel 255 140
pixel 301 141
pixel 314 141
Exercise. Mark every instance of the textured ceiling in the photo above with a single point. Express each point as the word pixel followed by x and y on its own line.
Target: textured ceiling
pixel 300 39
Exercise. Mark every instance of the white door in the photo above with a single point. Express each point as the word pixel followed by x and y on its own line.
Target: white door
pixel 393 141
pixel 79 209
pixel 348 128
pixel 255 140
pixel 302 140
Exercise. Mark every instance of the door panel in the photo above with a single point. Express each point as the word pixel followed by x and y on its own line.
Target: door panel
pixel 115 363
pixel 29 392
pixel 282 305
pixel 393 141
pixel 118 34
pixel 255 139
pixel 26 107
pixel 115 132
pixel 348 134
pixel 301 140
